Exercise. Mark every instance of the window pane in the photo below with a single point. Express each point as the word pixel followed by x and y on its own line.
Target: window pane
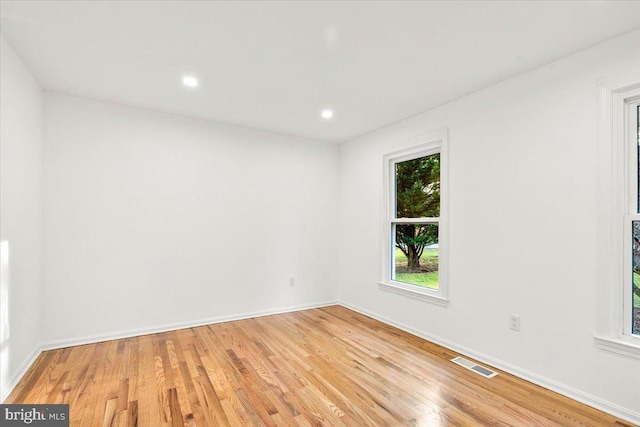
pixel 418 187
pixel 635 316
pixel 416 255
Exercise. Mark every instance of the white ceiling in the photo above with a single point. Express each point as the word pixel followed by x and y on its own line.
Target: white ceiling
pixel 275 65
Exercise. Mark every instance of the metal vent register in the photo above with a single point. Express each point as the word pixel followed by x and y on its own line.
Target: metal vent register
pixel 485 372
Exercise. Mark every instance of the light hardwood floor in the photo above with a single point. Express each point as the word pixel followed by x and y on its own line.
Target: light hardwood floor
pixel 328 366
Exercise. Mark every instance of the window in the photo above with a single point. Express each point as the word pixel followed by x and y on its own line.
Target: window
pixel 619 217
pixel 631 290
pixel 414 258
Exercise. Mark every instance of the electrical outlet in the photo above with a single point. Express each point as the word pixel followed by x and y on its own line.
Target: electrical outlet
pixel 292 281
pixel 514 322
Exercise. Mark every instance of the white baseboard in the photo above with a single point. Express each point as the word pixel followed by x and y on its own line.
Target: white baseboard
pixel 24 367
pixel 570 392
pixel 51 345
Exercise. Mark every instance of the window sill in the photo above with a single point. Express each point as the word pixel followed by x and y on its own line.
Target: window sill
pixel 618 346
pixel 414 292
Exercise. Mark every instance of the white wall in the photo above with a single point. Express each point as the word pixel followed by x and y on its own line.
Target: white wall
pixel 155 220
pixel 20 214
pixel 523 170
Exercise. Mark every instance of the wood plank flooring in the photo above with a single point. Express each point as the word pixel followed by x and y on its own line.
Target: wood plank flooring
pixel 321 367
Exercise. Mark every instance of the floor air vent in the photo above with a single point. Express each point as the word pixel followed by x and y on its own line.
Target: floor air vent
pixel 487 373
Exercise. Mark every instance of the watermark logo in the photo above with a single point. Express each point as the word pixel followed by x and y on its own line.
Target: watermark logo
pixel 34 415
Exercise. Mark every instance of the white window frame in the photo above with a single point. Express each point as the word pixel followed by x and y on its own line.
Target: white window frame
pixel 617 194
pixel 631 136
pixel 424 145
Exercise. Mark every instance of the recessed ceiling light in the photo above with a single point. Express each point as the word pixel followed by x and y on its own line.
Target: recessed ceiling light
pixel 190 81
pixel 327 114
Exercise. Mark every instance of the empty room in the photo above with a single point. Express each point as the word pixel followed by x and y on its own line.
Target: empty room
pixel 327 213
